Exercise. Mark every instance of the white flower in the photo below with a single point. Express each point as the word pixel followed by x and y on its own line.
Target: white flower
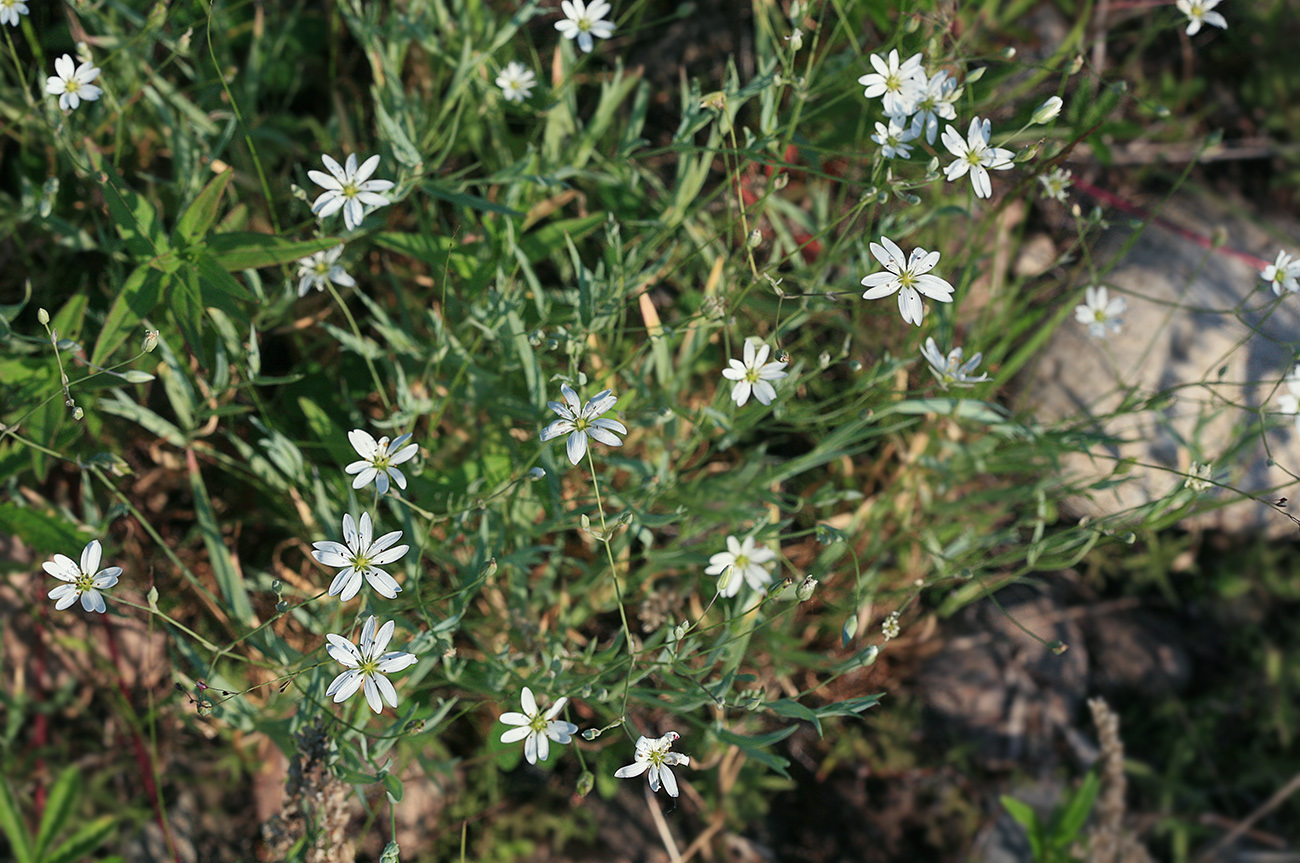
pixel 1198 13
pixel 1100 313
pixel 975 155
pixel 1056 184
pixel 796 40
pixel 949 370
pixel 580 423
pixel 935 102
pixel 1288 402
pixel 516 82
pixel 10 10
pixel 741 561
pixel 350 189
pixel 367 665
pixel 1282 274
pixel 69 85
pixel 907 275
pixel 361 557
pixel 582 22
pixel 753 375
pixel 323 266
pixel 900 84
pixel 653 755
pixel 890 627
pixel 1198 476
pixel 379 460
pixel 85 581
pixel 536 728
pixel 893 138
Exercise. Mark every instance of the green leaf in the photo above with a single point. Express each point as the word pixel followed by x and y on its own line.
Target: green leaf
pixel 199 217
pixel 393 786
pixel 58 808
pixel 140 295
pixel 44 532
pixel 134 217
pixel 248 250
pixel 539 244
pixel 756 747
pixel 1026 817
pixel 229 581
pixel 1069 819
pixel 85 841
pixel 473 202
pixel 792 709
pixel 11 824
pixel 851 707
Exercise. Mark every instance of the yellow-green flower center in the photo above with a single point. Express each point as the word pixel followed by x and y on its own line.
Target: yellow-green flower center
pixel 322 267
pixel 85 581
pixel 369 667
pixel 537 722
pixel 72 85
pixel 349 190
pixel 584 25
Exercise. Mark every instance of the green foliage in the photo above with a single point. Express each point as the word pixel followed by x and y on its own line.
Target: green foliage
pixel 1053 841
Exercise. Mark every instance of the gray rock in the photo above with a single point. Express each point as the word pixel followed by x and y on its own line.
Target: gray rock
pixel 1192 377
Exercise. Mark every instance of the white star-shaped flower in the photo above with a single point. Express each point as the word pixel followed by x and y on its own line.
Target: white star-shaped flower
pixel 908 276
pixel 350 189
pixel 1056 184
pixel 379 460
pixel 950 370
pixel 10 10
pixel 361 557
pixel 516 81
pixel 976 156
pixel 582 422
pixel 741 562
pixel 1283 274
pixel 317 269
pixel 1199 477
pixel 935 102
pixel 899 83
pixel 72 85
pixel 893 139
pixel 1100 312
pixel 536 728
pixel 367 665
pixel 85 581
pixel 754 374
pixel 654 758
pixel 582 21
pixel 1198 13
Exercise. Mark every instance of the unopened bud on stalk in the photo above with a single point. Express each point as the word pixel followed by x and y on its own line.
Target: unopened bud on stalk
pixel 1046 112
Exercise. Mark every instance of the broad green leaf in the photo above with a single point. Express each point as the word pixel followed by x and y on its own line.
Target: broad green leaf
pixel 11 824
pixel 756 747
pixel 792 709
pixel 1024 815
pixel 58 808
pixel 201 214
pixel 248 250
pixel 134 217
pixel 140 295
pixel 1069 819
pixel 85 841
pixel 542 242
pixel 229 580
pixel 186 302
pixel 473 202
pixel 45 533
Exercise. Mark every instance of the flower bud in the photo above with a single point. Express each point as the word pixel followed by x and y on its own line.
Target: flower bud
pixel 43 316
pixel 586 782
pixel 150 341
pixel 1046 112
pixel 805 590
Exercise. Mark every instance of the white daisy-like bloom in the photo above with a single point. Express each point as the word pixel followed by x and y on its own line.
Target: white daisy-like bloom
pixel 361 557
pixel 654 758
pixel 1283 274
pixel 1056 184
pixel 516 81
pixel 315 270
pixel 350 189
pixel 1100 312
pixel 84 581
pixel 741 562
pixel 909 276
pixel 934 103
pixel 71 84
pixel 379 460
pixel 10 10
pixel 582 21
pixel 976 156
pixel 1199 476
pixel 1198 13
pixel 536 728
pixel 893 139
pixel 754 374
pixel 950 370
pixel 899 83
pixel 367 665
pixel 580 422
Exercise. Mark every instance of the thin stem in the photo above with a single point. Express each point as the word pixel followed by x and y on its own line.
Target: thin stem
pixel 356 331
pixel 618 587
